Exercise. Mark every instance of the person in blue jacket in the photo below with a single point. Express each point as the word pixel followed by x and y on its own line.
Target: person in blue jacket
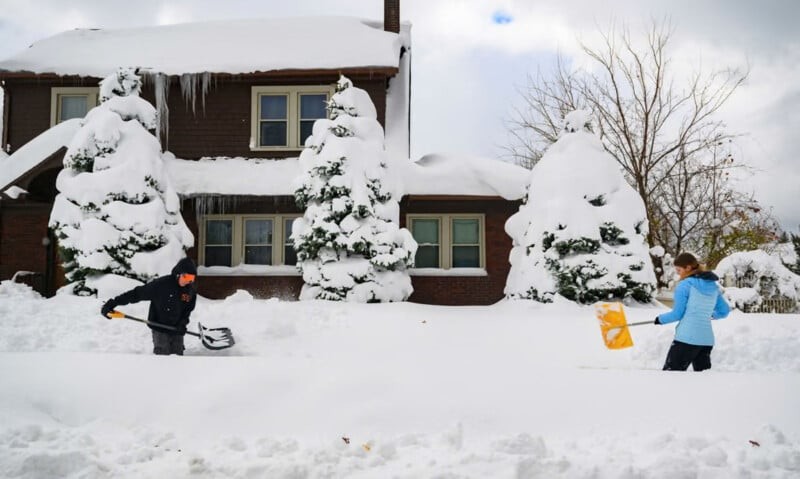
pixel 698 300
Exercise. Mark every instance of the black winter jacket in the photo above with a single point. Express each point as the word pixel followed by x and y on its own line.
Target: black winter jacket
pixel 170 304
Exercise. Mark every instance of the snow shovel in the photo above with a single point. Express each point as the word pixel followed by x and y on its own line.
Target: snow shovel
pixel 614 326
pixel 212 338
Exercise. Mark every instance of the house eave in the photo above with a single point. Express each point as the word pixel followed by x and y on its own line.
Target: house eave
pixel 356 72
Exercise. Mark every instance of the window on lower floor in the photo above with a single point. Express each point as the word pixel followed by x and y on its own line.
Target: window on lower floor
pixel 231 240
pixel 448 240
pixel 283 116
pixel 71 102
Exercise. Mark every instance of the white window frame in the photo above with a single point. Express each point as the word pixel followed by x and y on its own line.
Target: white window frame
pixel 293 113
pixel 238 236
pixel 445 235
pixel 91 94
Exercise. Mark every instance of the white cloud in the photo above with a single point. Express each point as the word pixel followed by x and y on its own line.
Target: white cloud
pixel 466 66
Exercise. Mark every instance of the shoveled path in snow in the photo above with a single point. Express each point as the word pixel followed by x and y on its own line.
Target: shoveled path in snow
pixel 512 390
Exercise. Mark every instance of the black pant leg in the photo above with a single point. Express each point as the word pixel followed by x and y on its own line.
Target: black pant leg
pixel 679 357
pixel 161 343
pixel 702 361
pixel 176 344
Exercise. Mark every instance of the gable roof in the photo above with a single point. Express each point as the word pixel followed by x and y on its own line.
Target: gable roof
pixel 230 46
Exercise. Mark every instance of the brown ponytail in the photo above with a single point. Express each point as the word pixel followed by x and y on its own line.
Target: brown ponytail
pixel 687 260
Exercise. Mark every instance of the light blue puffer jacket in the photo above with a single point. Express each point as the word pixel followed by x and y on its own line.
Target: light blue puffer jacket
pixel 698 300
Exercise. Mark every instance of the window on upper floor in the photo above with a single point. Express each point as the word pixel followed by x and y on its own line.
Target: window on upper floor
pixel 282 117
pixel 231 240
pixel 71 102
pixel 448 241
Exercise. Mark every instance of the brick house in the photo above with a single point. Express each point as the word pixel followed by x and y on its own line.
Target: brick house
pixel 233 128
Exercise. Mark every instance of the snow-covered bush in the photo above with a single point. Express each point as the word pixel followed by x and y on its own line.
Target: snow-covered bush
pixel 581 232
pixel 753 277
pixel 117 217
pixel 348 244
pixel 790 254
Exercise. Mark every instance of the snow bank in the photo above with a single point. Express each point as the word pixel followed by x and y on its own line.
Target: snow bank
pixel 230 46
pixel 34 152
pixel 511 390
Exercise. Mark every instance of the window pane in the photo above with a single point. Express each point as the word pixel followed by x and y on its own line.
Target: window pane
pixel 425 231
pixel 73 106
pixel 258 232
pixel 465 231
pixel 258 255
pixel 427 257
pixel 313 106
pixel 289 255
pixel 219 232
pixel 287 229
pixel 273 107
pixel 273 133
pixel 218 256
pixel 306 126
pixel 466 257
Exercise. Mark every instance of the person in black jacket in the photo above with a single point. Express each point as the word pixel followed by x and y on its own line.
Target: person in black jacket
pixel 172 299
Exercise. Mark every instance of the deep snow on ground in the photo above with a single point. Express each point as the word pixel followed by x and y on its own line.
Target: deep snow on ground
pixel 516 389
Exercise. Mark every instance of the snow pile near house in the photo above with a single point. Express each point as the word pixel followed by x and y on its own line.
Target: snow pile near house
pixel 758 276
pixel 34 152
pixel 117 216
pixel 229 46
pixel 462 175
pixel 10 290
pixel 581 232
pixel 348 243
pixel 516 389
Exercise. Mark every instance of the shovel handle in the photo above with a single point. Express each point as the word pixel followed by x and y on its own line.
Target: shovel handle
pixel 121 315
pixel 632 324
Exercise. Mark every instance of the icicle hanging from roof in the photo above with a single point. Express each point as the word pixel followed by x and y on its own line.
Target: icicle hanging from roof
pixel 161 87
pixel 191 83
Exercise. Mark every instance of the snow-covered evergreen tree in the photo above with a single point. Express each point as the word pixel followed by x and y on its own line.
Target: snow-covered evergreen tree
pixel 794 267
pixel 581 232
pixel 116 215
pixel 349 246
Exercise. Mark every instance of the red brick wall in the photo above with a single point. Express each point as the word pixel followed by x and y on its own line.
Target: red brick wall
pixel 222 129
pixel 463 290
pixel 23 225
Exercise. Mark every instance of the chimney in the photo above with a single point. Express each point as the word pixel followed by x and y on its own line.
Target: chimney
pixel 391 15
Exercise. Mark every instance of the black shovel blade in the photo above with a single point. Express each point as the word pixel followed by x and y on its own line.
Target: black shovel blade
pixel 215 338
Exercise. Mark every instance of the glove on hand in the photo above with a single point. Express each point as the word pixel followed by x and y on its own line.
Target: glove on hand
pixel 657 321
pixel 107 308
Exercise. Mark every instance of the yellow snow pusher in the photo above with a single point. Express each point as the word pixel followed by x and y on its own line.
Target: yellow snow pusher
pixel 614 326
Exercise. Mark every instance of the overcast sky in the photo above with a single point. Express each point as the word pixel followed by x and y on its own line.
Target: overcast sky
pixel 470 56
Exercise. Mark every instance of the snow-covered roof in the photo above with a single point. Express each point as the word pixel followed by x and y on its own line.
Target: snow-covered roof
pixel 431 175
pixel 33 153
pixel 233 176
pixel 229 46
pixel 438 174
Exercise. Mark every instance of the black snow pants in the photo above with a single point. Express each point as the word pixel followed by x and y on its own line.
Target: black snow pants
pixel 167 343
pixel 681 355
